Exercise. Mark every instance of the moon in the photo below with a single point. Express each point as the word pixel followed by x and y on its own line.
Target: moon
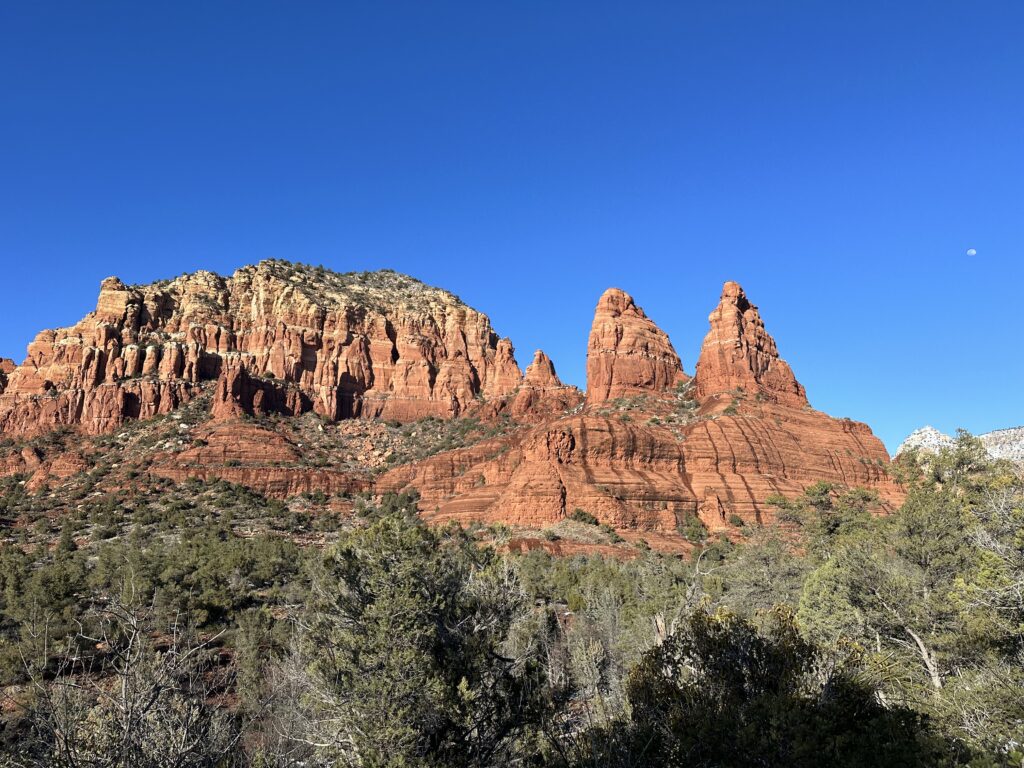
pixel 972 252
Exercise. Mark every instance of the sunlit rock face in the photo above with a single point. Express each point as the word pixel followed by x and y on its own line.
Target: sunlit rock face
pixel 738 354
pixel 646 449
pixel 627 353
pixel 278 336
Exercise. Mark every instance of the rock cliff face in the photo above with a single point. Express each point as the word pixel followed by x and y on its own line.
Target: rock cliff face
pixel 7 367
pixel 738 354
pixel 627 353
pixel 655 457
pixel 275 337
pixel 646 476
pixel 648 450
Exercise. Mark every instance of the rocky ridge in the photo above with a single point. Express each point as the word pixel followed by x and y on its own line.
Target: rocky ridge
pixel 651 449
pixel 275 337
pixel 646 450
pixel 1001 443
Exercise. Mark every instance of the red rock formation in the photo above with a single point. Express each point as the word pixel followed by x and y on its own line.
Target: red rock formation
pixel 371 344
pixel 541 372
pixel 627 353
pixel 42 470
pixel 282 339
pixel 25 461
pixel 542 394
pixel 739 354
pixel 7 367
pixel 650 477
pixel 55 470
pixel 239 393
pixel 258 458
pixel 567 548
pixel 507 375
pixel 736 461
pixel 647 467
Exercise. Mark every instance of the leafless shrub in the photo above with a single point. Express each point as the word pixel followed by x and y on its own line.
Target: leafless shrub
pixel 134 698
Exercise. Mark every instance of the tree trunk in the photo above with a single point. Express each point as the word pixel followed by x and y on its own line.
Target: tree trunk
pixel 928 658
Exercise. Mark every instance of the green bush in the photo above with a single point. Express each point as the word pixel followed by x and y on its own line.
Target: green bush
pixel 720 691
pixel 693 529
pixel 583 517
pixel 612 534
pixel 420 670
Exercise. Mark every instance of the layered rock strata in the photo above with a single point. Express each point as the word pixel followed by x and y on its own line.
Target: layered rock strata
pixel 627 353
pixel 259 458
pixel 746 433
pixel 275 337
pixel 738 355
pixel 648 449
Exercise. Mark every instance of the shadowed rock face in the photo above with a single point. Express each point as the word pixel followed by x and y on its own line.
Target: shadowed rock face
pixel 280 337
pixel 627 353
pixel 7 367
pixel 739 354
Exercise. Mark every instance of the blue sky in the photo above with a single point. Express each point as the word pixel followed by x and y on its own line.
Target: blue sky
pixel 837 159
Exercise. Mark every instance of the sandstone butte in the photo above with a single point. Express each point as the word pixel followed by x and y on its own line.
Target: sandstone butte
pixel 651 448
pixel 647 448
pixel 275 337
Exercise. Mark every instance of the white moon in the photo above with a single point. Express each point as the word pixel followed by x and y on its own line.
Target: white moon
pixel 972 252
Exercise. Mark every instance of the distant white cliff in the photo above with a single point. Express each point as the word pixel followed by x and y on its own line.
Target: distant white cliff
pixel 1000 444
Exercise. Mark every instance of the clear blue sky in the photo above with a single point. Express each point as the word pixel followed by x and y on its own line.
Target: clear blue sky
pixel 837 159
